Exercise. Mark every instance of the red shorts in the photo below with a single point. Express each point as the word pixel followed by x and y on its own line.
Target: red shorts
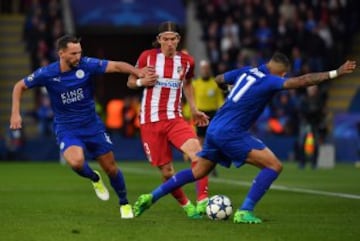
pixel 157 138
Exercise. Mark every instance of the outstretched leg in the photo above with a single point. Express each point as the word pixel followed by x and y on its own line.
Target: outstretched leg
pixel 167 171
pixel 181 178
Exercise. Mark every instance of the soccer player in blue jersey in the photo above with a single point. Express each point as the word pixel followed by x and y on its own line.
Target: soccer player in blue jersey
pixel 228 140
pixel 76 124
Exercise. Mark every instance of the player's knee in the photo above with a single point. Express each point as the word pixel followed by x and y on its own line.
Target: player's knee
pixel 167 171
pixel 76 163
pixel 276 165
pixel 191 148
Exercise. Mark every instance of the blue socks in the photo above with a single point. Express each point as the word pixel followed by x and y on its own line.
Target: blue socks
pixel 260 185
pixel 179 179
pixel 118 183
pixel 87 172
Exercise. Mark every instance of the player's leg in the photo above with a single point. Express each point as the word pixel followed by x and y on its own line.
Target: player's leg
pixel 159 154
pixel 191 147
pixel 117 181
pixel 201 169
pixel 183 136
pixel 167 171
pixel 74 156
pixel 270 169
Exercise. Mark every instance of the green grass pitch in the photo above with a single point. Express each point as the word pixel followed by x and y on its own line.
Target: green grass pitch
pixel 47 201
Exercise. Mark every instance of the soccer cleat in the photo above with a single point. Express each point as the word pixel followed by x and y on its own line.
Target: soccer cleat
pixel 245 216
pixel 191 211
pixel 201 206
pixel 100 188
pixel 142 203
pixel 126 211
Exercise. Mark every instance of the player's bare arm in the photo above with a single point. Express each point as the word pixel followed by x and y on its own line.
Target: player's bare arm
pixel 200 118
pixel 316 78
pixel 148 79
pixel 219 79
pixel 123 67
pixel 15 118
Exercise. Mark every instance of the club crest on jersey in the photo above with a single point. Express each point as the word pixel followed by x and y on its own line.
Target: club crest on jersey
pixel 80 74
pixel 30 77
pixel 179 69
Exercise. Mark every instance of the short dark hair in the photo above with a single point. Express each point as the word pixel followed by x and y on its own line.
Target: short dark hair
pixel 281 58
pixel 62 42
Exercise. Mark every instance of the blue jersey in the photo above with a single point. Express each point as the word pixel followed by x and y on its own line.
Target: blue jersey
pixel 71 93
pixel 251 92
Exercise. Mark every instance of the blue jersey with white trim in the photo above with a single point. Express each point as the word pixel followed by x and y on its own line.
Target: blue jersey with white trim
pixel 71 93
pixel 252 90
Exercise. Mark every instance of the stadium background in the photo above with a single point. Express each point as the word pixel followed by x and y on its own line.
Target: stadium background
pixel 120 30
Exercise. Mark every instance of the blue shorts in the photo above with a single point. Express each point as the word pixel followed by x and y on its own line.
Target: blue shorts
pixel 227 149
pixel 94 145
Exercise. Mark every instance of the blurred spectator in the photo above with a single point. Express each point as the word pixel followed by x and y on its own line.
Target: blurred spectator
pixel 43 25
pixel 15 141
pixel 312 127
pixel 45 116
pixel 130 113
pixel 315 33
pixel 114 118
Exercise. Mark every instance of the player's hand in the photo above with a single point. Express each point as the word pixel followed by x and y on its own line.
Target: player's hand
pixel 200 118
pixel 15 121
pixel 146 70
pixel 149 79
pixel 348 67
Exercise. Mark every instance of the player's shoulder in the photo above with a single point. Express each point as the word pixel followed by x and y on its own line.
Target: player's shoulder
pixel 49 70
pixel 152 51
pixel 186 56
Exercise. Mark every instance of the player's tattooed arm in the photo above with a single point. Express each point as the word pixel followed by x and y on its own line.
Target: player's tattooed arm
pixel 317 78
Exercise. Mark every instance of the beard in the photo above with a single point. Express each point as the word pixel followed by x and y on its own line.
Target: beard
pixel 73 64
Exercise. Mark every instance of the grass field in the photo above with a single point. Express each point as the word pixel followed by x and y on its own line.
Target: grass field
pixel 46 201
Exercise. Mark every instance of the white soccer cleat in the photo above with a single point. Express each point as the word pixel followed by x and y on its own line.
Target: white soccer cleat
pixel 126 211
pixel 100 188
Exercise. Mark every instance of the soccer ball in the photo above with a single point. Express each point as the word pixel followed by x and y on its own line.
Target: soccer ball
pixel 219 207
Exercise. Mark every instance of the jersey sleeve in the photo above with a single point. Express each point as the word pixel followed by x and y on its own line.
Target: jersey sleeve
pixel 230 77
pixel 96 66
pixel 276 82
pixel 37 78
pixel 190 68
pixel 143 59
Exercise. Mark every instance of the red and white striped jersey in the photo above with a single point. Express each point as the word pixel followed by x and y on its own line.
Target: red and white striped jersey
pixel 163 100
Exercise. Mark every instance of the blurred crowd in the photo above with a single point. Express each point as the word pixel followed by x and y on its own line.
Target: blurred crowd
pixel 315 34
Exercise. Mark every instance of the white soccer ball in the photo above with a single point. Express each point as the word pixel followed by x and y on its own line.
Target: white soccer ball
pixel 219 207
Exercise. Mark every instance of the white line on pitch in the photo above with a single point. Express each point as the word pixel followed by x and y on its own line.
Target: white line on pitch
pixel 247 184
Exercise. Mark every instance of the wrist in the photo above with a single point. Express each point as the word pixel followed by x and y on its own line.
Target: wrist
pixel 333 74
pixel 139 83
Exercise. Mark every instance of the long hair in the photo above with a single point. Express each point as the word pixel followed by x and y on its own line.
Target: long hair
pixel 167 26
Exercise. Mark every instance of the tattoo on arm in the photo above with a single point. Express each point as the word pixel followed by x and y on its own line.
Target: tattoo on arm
pixel 306 80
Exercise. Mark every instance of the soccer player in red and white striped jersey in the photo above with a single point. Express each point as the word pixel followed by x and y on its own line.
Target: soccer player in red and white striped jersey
pixel 170 73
